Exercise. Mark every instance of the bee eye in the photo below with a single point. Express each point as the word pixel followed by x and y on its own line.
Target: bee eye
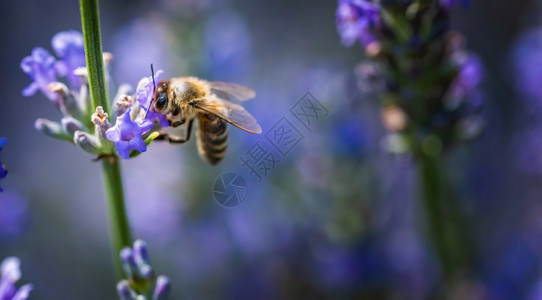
pixel 162 101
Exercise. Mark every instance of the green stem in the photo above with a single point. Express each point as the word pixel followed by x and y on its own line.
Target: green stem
pixel 445 219
pixel 431 187
pixel 120 229
pixel 93 53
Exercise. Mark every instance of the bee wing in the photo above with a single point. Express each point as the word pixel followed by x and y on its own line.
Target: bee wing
pixel 231 91
pixel 230 112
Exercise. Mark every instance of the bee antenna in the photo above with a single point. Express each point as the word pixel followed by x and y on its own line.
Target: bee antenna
pixel 153 82
pixel 153 91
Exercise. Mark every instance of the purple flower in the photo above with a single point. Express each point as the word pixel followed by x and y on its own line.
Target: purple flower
pixel 144 94
pixel 3 171
pixel 70 48
pixel 10 273
pixel 127 134
pixel 162 289
pixel 136 262
pixel 40 67
pixel 140 274
pixel 355 19
pixel 145 89
pixel 470 74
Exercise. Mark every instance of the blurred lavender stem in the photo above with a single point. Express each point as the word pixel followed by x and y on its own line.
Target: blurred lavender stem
pixel 120 228
pixel 444 219
pixel 120 231
pixel 431 187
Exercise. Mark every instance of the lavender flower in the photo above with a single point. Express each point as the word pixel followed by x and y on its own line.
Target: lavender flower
pixel 3 171
pixel 40 67
pixel 126 134
pixel 144 94
pixel 140 274
pixel 10 273
pixel 70 48
pixel 470 73
pixel 355 20
pixel 88 127
pixel 162 289
pixel 430 82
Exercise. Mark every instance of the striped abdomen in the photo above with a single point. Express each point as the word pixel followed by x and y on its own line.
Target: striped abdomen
pixel 212 138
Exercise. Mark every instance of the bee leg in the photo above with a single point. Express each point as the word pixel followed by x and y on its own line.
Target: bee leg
pixel 177 139
pixel 178 123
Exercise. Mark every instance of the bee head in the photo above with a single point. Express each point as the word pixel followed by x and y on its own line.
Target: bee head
pixel 160 96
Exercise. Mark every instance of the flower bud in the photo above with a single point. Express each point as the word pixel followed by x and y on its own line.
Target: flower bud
pixel 81 71
pixel 71 125
pixel 140 251
pixel 122 104
pixel 122 101
pixel 10 269
pixel 68 104
pixel 101 122
pixel 87 142
pixel 128 263
pixel 141 257
pixel 10 273
pixel 162 289
pixel 52 129
pixel 108 58
pixel 124 291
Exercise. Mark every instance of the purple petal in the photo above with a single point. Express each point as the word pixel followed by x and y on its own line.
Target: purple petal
pixel 140 251
pixel 10 269
pixel 123 148
pixel 64 41
pixel 145 89
pixel 127 134
pixel 124 291
pixel 145 126
pixel 40 67
pixel 162 289
pixel 158 117
pixel 30 89
pixel 7 289
pixel 23 293
pixel 138 144
pixel 113 134
pixel 355 19
pixel 70 48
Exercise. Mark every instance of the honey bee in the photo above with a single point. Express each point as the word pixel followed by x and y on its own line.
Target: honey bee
pixel 213 104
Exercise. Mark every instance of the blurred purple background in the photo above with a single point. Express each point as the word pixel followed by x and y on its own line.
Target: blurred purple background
pixel 337 218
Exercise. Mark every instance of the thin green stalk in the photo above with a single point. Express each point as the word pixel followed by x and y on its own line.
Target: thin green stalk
pixel 432 201
pixel 445 221
pixel 120 229
pixel 93 53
